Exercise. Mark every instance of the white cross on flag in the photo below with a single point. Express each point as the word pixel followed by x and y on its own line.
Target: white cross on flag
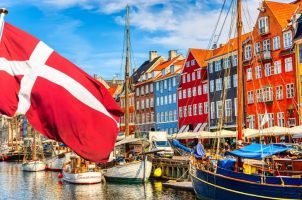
pixel 59 99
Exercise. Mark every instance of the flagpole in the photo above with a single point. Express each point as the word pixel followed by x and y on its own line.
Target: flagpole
pixel 3 12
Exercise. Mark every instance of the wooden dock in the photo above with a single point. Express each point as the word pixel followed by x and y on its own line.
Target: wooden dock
pixel 175 168
pixel 186 185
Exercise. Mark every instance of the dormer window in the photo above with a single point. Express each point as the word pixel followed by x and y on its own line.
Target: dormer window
pixel 153 74
pixel 163 72
pixel 172 69
pixel 263 25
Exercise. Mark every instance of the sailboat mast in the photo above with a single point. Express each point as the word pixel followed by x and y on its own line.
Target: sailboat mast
pixel 127 70
pixel 34 147
pixel 239 74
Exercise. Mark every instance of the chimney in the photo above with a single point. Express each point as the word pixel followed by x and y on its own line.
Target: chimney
pixel 152 55
pixel 172 54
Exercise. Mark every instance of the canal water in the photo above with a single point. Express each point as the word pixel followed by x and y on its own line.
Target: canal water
pixel 16 184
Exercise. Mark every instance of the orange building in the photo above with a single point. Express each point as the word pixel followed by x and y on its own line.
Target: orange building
pixel 269 67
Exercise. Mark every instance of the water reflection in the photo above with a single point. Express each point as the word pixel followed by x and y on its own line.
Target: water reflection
pixel 16 184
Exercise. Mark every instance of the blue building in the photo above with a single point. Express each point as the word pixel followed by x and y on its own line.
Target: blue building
pixel 165 93
pixel 222 79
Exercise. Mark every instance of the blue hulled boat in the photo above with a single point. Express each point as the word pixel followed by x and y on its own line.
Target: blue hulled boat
pixel 224 182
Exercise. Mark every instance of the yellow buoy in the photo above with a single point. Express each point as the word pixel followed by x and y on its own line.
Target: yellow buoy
pixel 157 172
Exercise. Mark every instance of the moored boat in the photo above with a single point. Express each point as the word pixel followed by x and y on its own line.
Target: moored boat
pixel 33 166
pixel 56 163
pixel 80 171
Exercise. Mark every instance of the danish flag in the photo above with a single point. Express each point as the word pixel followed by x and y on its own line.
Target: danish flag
pixel 59 99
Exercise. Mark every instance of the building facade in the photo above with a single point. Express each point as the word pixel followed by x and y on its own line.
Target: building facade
pixel 270 81
pixel 193 92
pixel 165 94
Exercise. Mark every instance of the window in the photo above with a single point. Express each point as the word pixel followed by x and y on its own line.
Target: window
pixel 166 100
pixel 217 66
pixel 212 110
pixel 193 76
pixel 235 80
pixel 210 68
pixel 219 109
pixel 188 64
pixel 172 68
pixel 266 45
pixel 170 116
pixel 212 86
pixel 137 105
pixel 259 96
pixel 190 110
pixel 151 103
pixel 287 39
pixel 137 91
pixel 151 88
pixel 235 106
pixel 166 116
pixel 165 84
pixel 258 72
pixel 279 92
pixel 250 97
pixel 179 94
pixel 263 25
pixel 205 88
pixel 276 43
pixel 170 98
pixel 157 101
pixel 199 90
pixel 290 91
pixel 147 89
pixel 183 78
pixel 218 84
pixel 142 90
pixel 257 48
pixel 169 84
pixel 277 67
pixel 235 60
pixel 189 92
pixel 206 108
pixel 200 108
pixel 192 62
pixel 143 104
pixel 280 119
pixel 227 82
pixel 252 121
pixel 147 103
pixel 180 112
pixel 161 87
pixel 249 74
pixel 267 69
pixel 194 109
pixel 175 116
pixel 194 91
pixel 163 71
pixel 174 98
pixel 288 64
pixel 184 94
pixel 267 94
pixel 226 63
pixel 161 101
pixel 158 117
pixel 174 81
pixel 228 107
pixel 162 116
pixel 248 52
pixel 270 120
pixel 198 74
pixel 188 78
pixel 185 111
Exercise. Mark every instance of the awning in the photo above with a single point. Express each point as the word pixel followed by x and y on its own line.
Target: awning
pixel 296 130
pixel 187 128
pixel 182 129
pixel 196 129
pixel 132 140
pixel 258 151
pixel 203 126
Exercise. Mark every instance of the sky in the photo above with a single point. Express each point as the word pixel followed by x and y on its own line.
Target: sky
pixel 90 33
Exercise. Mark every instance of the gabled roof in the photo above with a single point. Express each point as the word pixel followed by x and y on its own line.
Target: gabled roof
pixel 143 68
pixel 166 64
pixel 200 55
pixel 281 11
pixel 229 47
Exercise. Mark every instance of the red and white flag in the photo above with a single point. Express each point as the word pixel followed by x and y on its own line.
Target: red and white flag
pixel 59 99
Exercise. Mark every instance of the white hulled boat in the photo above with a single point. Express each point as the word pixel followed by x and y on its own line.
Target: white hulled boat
pixel 56 163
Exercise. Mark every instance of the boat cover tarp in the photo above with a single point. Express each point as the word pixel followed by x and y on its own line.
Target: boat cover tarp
pixel 258 151
pixel 177 144
pixel 199 151
pixel 227 163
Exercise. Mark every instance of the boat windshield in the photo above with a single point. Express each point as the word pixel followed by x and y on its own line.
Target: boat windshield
pixel 162 144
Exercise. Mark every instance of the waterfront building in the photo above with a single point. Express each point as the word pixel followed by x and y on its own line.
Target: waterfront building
pixel 143 79
pixel 121 101
pixel 297 21
pixel 193 92
pixel 269 67
pixel 165 93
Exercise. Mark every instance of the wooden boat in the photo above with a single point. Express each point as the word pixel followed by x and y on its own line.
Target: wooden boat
pixel 80 171
pixel 31 162
pixel 56 163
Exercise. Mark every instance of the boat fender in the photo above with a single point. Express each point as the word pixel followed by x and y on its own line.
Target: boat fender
pixel 60 175
pixel 157 172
